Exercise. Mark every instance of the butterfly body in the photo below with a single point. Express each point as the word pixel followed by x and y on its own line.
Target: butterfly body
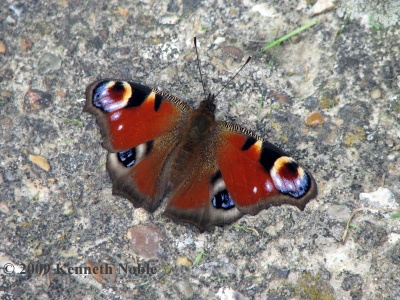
pixel 211 172
pixel 196 135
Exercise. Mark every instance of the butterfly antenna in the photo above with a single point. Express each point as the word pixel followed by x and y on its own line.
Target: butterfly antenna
pixel 233 77
pixel 198 66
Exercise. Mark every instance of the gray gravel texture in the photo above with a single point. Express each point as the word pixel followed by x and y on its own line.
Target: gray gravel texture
pixel 346 68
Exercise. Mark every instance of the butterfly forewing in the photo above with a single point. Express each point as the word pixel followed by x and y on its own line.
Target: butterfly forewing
pixel 140 128
pixel 130 114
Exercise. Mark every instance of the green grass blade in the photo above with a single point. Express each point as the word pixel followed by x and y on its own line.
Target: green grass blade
pixel 288 36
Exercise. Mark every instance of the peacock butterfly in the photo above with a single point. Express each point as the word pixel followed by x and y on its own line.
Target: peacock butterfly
pixel 212 172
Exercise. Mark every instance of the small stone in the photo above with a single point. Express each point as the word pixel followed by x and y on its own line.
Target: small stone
pixel 382 198
pixel 103 33
pixel 49 63
pixel 61 94
pixel 183 261
pixel 376 94
pixel 17 10
pixel 26 44
pixel 323 6
pixel 184 289
pixel 282 98
pixel 230 294
pixel 338 212
pixel 219 40
pixel 302 4
pixel 140 216
pixel 3 47
pixel 169 20
pixel 67 208
pixel 10 20
pixel 264 10
pixel 40 161
pixel 314 119
pixel 234 52
pixel 4 208
pixel 145 241
pixel 35 100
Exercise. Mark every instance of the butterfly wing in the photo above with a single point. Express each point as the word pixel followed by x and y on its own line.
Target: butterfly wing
pixel 199 195
pixel 235 172
pixel 140 128
pixel 258 174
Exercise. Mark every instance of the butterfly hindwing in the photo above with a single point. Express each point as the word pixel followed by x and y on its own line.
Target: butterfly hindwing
pixel 258 174
pixel 140 128
pixel 199 196
pixel 140 174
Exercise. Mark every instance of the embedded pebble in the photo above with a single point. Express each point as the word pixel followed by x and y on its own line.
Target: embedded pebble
pixel 264 10
pixel 40 161
pixel 234 52
pixel 3 47
pixel 184 289
pixel 49 63
pixel 322 6
pixel 169 20
pixel 183 261
pixel 314 119
pixel 36 100
pixel 103 33
pixel 26 44
pixel 4 208
pixel 10 20
pixel 376 94
pixel 230 294
pixel 340 213
pixel 140 216
pixel 382 198
pixel 219 40
pixel 145 241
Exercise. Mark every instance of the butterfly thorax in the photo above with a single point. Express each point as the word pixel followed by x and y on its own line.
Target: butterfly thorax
pixel 201 122
pixel 196 135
